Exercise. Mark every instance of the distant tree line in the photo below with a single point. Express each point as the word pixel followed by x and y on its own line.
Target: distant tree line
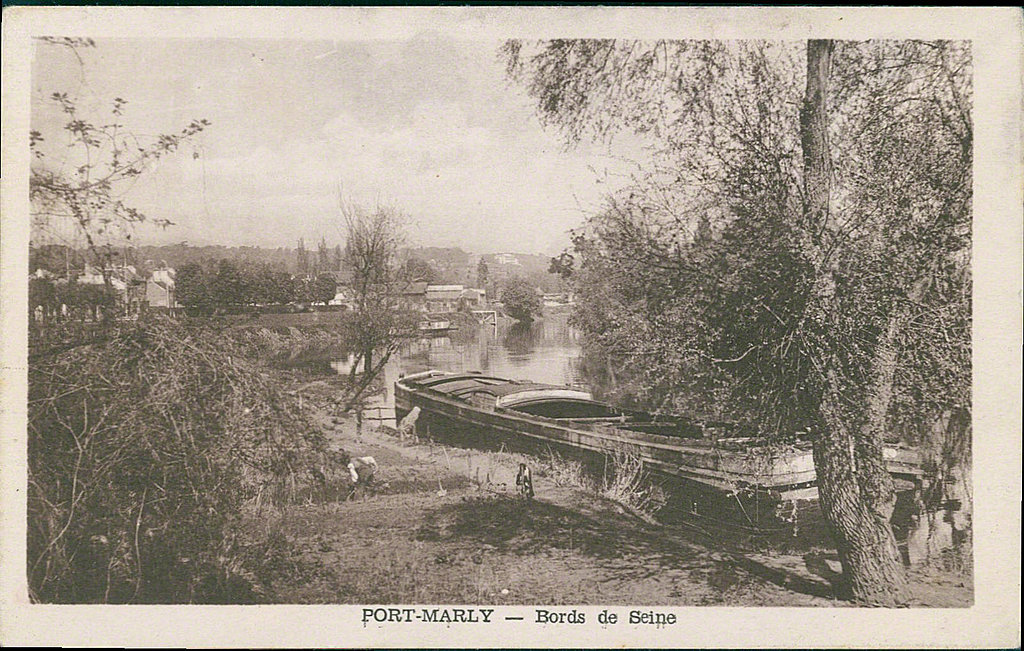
pixel 325 259
pixel 83 301
pixel 205 287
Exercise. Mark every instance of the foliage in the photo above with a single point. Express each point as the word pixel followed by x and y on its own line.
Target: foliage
pixel 192 287
pixel 520 299
pixel 142 452
pixel 82 300
pixel 562 265
pixel 323 289
pixel 224 283
pixel 416 270
pixel 43 294
pixel 302 258
pixel 799 260
pixel 323 257
pixel 700 263
pixel 378 327
pixel 55 258
pixel 103 156
pixel 482 273
pixel 624 480
pixel 78 178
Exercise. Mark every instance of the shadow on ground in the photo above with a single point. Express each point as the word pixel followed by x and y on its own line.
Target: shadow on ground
pixel 632 548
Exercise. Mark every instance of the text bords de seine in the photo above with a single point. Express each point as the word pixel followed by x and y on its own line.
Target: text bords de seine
pixel 486 616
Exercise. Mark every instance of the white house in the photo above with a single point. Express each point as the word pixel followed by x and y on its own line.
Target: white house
pixel 344 296
pixel 160 289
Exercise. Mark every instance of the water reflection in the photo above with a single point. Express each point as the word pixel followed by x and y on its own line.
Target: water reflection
pixel 518 339
pixel 547 351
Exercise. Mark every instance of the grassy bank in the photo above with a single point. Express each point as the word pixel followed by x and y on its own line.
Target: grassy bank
pixel 445 526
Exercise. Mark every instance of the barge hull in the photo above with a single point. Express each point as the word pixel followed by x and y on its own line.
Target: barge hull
pixel 789 475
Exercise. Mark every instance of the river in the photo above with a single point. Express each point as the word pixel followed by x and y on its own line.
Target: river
pixel 547 350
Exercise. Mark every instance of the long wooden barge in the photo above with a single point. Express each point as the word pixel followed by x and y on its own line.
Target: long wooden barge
pixel 570 418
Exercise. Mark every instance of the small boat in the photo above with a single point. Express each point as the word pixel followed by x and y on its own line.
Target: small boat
pixel 703 455
pixel 435 325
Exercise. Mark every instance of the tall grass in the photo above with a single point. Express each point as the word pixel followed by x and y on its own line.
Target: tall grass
pixel 624 480
pixel 628 482
pixel 567 471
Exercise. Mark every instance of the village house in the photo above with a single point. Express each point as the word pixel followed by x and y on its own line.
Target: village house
pixel 160 289
pixel 414 297
pixel 443 298
pixel 124 280
pixel 473 299
pixel 344 297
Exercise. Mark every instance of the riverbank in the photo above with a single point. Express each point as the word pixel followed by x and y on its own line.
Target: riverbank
pixel 444 526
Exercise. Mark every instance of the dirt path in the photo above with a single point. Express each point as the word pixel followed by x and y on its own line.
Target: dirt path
pixel 445 527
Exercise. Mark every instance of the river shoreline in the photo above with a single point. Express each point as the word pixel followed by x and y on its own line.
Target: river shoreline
pixel 444 526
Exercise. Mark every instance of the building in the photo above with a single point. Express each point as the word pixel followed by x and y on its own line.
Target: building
pixel 473 299
pixel 414 297
pixel 160 289
pixel 443 298
pixel 130 288
pixel 507 259
pixel 345 297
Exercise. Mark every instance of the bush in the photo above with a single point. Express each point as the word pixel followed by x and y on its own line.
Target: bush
pixel 521 300
pixel 625 480
pixel 142 452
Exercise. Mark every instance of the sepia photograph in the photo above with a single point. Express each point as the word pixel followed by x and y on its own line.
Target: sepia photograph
pixel 455 326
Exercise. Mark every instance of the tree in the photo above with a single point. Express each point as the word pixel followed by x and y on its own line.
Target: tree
pixel 377 326
pixel 481 274
pixel 562 265
pixel 192 287
pixel 81 182
pixel 857 503
pixel 520 299
pixel 42 294
pixel 323 289
pixel 230 285
pixel 302 258
pixel 415 270
pixel 281 287
pixel 323 258
pixel 803 251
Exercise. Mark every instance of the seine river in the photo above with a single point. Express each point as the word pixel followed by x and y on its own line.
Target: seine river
pixel 548 351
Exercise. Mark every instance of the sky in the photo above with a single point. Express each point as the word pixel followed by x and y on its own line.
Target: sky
pixel 429 125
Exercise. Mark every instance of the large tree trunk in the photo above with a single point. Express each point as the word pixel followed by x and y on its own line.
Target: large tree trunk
pixel 855 489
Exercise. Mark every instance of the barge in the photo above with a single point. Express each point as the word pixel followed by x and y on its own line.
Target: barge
pixel 704 457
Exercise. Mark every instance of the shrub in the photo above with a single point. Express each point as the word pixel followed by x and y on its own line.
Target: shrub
pixel 142 451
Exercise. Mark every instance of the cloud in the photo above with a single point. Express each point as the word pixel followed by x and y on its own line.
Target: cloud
pixel 461 184
pixel 429 124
